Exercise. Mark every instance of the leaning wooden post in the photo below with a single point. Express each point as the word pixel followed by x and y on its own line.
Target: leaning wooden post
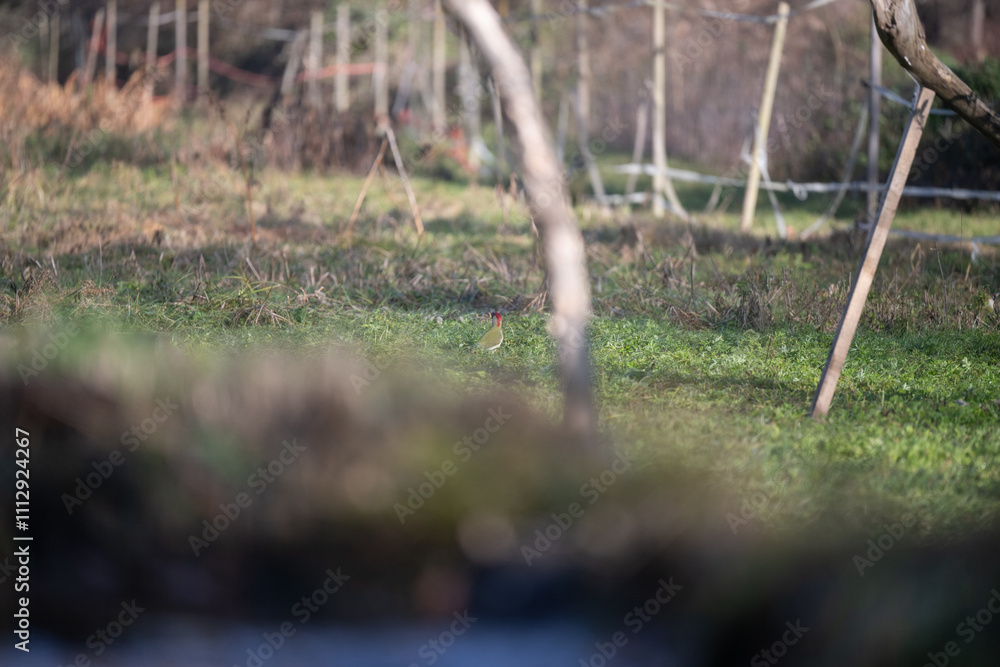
pixel 292 66
pixel 341 82
pixel 641 121
pixel 152 35
pixel 438 113
pixel 203 50
pixel 468 93
pixel 873 252
pixel 95 42
pixel 662 185
pixel 874 106
pixel 111 51
pixel 315 53
pixel 764 119
pixel 180 46
pixel 562 243
pixel 54 48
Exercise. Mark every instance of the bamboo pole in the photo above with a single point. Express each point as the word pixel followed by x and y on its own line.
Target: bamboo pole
pixel 341 82
pixel 873 252
pixel 438 113
pixel 764 119
pixel 152 35
pixel 662 185
pixel 874 117
pixel 203 50
pixel 111 51
pixel 181 63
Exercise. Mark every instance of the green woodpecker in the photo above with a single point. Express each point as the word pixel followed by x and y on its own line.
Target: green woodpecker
pixel 493 338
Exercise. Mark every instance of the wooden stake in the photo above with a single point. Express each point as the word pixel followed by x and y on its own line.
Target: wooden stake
pixel 364 190
pixel 641 121
pixel 181 63
pixel 111 51
pixel 203 50
pixel 315 54
pixel 764 119
pixel 439 118
pixel 95 42
pixel 54 48
pixel 152 35
pixel 417 220
pixel 380 79
pixel 874 106
pixel 662 185
pixel 873 252
pixel 292 66
pixel 536 48
pixel 341 82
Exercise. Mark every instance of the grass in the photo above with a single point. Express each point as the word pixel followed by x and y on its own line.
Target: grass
pixel 707 345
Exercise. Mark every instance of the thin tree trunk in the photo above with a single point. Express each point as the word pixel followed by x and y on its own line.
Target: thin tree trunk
pixel 903 34
pixel 181 40
pixel 562 242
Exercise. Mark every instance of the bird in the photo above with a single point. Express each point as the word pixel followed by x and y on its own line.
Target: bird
pixel 493 338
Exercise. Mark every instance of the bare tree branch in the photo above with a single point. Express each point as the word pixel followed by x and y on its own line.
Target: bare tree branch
pixel 901 31
pixel 562 242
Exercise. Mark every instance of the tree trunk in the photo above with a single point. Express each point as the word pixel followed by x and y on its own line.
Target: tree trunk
pixel 562 242
pixel 901 31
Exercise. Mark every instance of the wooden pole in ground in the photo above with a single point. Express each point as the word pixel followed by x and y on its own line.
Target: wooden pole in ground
pixel 874 116
pixel 203 50
pixel 873 252
pixel 292 66
pixel 536 48
pixel 468 93
pixel 152 35
pixel 583 76
pixel 438 113
pixel 315 54
pixel 662 185
pixel 111 51
pixel 95 43
pixel 43 47
pixel 417 219
pixel 54 48
pixel 641 121
pixel 498 122
pixel 341 81
pixel 346 232
pixel 181 63
pixel 381 74
pixel 764 120
pixel 976 20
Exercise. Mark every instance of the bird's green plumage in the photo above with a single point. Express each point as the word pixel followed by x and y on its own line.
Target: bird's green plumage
pixel 493 338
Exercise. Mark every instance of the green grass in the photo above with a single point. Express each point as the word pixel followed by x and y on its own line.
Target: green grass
pixel 708 356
